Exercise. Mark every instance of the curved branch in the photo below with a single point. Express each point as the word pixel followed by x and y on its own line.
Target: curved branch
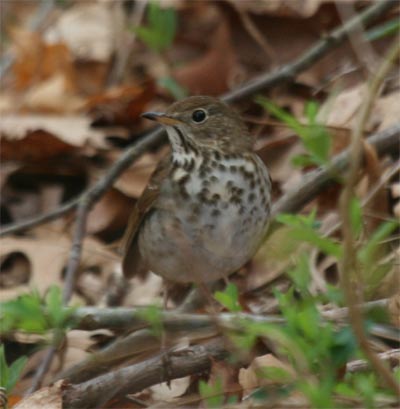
pixel 314 182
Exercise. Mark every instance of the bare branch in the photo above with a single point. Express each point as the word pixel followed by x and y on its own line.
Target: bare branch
pixel 92 318
pixel 134 378
pixel 315 181
pixel 393 355
pixel 177 325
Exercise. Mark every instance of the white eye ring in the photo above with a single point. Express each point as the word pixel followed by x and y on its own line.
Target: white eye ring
pixel 199 116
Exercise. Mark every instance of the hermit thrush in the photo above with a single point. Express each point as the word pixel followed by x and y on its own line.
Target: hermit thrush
pixel 207 205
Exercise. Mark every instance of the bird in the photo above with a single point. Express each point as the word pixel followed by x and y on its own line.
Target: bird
pixel 206 207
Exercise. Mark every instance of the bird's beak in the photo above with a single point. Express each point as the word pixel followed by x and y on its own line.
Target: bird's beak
pixel 161 118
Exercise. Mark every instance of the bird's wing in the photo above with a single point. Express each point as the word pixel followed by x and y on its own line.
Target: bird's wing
pixel 132 262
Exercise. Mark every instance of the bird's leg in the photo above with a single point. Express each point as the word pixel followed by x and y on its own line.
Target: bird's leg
pixel 209 296
pixel 226 280
pixel 166 362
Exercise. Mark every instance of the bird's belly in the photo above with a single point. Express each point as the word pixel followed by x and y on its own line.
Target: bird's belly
pixel 207 231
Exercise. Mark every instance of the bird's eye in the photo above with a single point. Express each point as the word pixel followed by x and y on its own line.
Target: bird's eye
pixel 199 116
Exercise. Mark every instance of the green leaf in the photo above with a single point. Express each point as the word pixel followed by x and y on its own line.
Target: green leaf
pixel 30 313
pixel 23 313
pixel 334 294
pixel 176 90
pixel 244 342
pixel 345 390
pixel 315 137
pixel 153 315
pixel 368 252
pixel 300 275
pixel 229 298
pixel 356 218
pixel 15 371
pixel 388 28
pixel 299 220
pixel 325 244
pixel 3 368
pixel 160 31
pixel 54 306
pixel 303 229
pixel 275 374
pixel 9 375
pixel 318 143
pixel 343 346
pixel 232 400
pixel 311 111
pixel 282 115
pixel 212 393
pixel 302 161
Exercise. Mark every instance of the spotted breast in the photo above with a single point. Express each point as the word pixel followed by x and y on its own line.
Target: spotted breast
pixel 224 205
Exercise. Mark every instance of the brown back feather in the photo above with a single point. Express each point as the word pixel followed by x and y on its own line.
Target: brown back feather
pixel 132 262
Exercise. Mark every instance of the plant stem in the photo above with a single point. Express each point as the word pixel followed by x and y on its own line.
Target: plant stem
pixel 350 280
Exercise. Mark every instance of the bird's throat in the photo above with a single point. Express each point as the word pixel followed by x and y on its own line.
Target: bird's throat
pixel 183 148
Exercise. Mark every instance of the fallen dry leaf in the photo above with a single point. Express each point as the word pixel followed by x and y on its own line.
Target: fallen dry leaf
pixel 44 135
pixel 395 190
pixel 133 181
pixel 277 154
pixel 110 213
pixel 210 74
pixel 120 105
pixel 92 76
pixel 36 146
pixel 49 397
pixel 287 8
pixel 15 269
pixel 36 61
pixel 271 259
pixel 341 110
pixel 250 378
pixel 53 95
pixel 168 392
pixel 88 29
pixel 388 109
pixel 144 291
pixel 46 260
pixel 48 254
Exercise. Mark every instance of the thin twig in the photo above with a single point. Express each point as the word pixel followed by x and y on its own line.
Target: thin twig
pixel 76 249
pixel 350 279
pixel 361 365
pixel 255 33
pixel 265 81
pixel 70 278
pixel 42 370
pixel 313 54
pixel 124 48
